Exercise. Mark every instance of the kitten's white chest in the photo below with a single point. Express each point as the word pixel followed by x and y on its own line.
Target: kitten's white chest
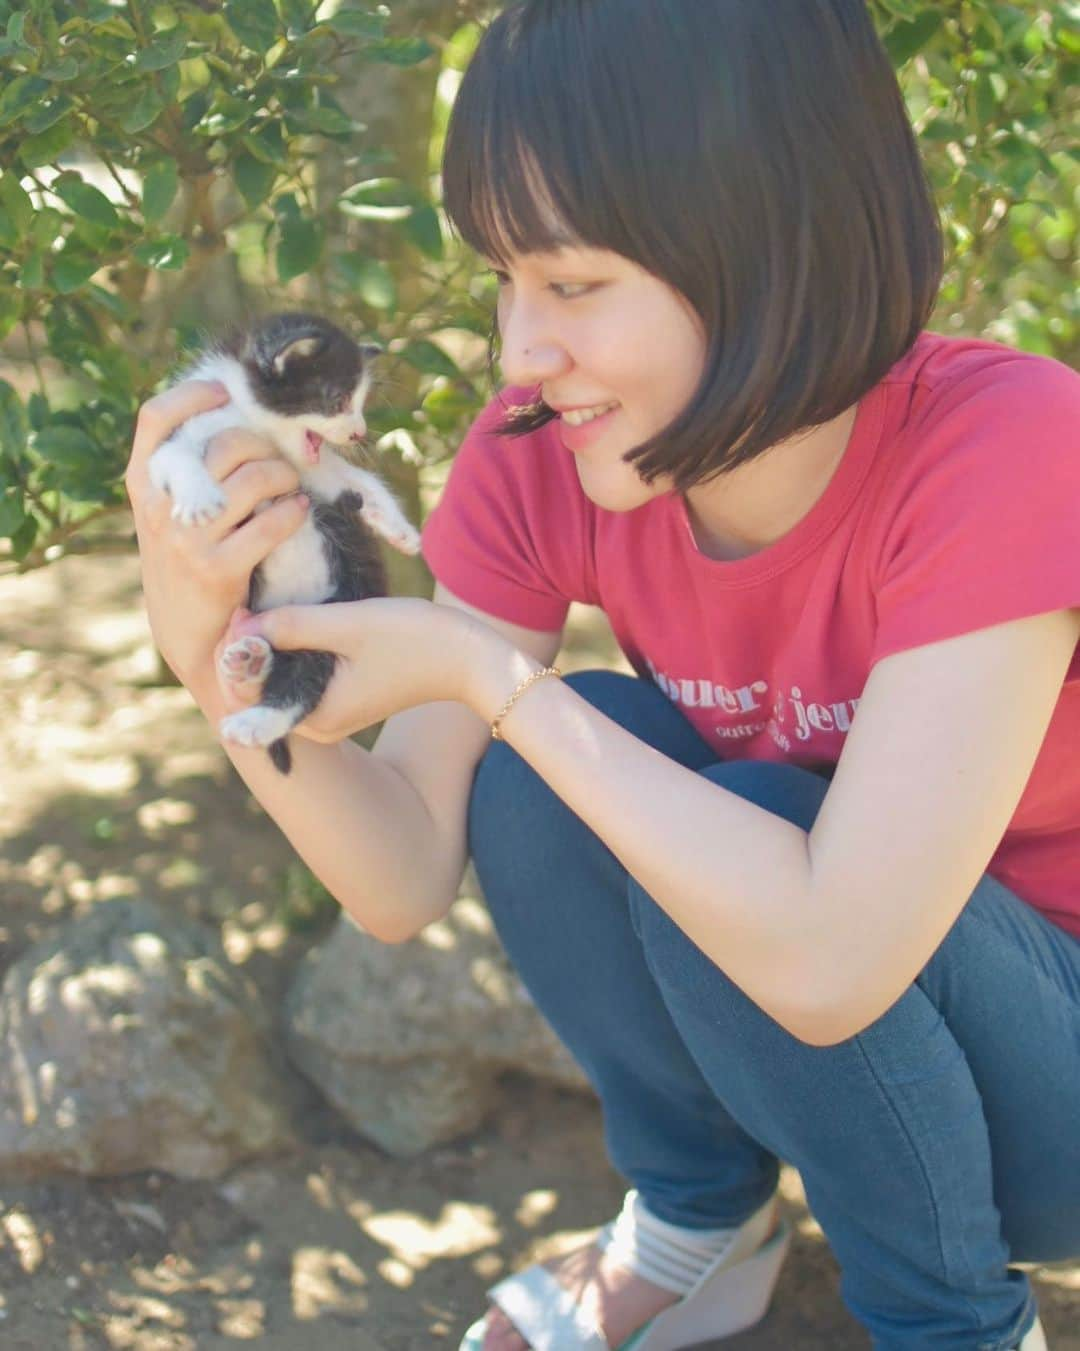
pixel 296 573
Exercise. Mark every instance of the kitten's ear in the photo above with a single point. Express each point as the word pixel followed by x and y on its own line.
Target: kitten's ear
pixel 297 350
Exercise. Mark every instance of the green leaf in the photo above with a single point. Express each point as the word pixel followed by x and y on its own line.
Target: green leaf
pixel 268 144
pixel 12 423
pixel 324 121
pixel 357 23
pixel 908 39
pixel 23 539
pixel 67 68
pixel 458 52
pixel 255 23
pixel 423 229
pixel 23 92
pixel 225 113
pixel 167 254
pixel 401 51
pixel 48 146
pixel 371 280
pixel 432 360
pixel 12 513
pixel 254 179
pixel 69 447
pixel 16 204
pixel 297 15
pixel 146 110
pixel 88 202
pixel 46 225
pixel 37 410
pixel 299 246
pixel 32 273
pixel 165 50
pixel 379 199
pixel 159 188
pixel 10 311
pixel 72 270
pixel 447 405
pixel 48 114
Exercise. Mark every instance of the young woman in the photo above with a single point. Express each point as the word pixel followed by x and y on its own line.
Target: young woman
pixel 808 888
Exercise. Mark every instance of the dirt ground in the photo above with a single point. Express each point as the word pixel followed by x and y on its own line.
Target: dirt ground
pixel 112 786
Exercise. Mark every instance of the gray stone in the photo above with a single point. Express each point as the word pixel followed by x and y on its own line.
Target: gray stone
pixel 407 1040
pixel 130 1043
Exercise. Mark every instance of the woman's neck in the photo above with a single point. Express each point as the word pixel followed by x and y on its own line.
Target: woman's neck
pixel 755 505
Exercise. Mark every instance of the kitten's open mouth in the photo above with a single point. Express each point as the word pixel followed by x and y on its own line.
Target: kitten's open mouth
pixel 312 445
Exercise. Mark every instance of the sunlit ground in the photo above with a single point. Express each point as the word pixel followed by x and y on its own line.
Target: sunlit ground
pixel 113 787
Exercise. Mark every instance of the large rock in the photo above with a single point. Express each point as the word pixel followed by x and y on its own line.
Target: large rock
pixel 407 1040
pixel 130 1043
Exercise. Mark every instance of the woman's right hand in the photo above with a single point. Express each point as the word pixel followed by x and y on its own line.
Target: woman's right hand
pixel 196 576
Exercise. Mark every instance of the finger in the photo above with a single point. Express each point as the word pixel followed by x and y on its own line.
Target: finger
pixel 245 488
pixel 227 450
pixel 323 628
pixel 160 416
pixel 244 548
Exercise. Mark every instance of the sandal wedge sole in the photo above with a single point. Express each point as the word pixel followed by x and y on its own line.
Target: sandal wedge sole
pixel 728 1299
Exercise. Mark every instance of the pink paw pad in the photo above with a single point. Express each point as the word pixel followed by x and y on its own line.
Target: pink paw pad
pixel 247 659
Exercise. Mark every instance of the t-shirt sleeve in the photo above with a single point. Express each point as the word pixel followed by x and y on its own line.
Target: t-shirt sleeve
pixel 984 525
pixel 511 533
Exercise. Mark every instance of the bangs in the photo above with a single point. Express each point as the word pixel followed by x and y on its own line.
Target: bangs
pixel 528 161
pixel 513 212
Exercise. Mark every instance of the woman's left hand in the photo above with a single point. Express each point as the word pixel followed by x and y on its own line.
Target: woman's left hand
pixel 393 653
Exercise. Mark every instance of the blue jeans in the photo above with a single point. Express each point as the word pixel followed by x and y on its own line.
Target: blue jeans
pixel 934 1147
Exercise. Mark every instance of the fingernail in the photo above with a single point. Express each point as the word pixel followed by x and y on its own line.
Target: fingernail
pixel 303 500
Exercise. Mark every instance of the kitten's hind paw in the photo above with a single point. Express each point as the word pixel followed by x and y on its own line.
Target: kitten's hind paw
pixel 246 660
pixel 259 726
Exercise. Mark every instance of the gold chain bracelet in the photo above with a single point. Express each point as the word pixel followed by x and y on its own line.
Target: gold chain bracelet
pixel 496 735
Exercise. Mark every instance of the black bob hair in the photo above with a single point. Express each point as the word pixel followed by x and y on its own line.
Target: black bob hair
pixel 756 155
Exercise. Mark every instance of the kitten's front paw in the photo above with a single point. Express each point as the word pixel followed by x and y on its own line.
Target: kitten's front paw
pixel 397 532
pixel 248 659
pixel 258 726
pixel 407 540
pixel 196 505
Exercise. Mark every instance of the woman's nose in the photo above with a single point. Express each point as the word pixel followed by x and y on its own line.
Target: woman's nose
pixel 530 353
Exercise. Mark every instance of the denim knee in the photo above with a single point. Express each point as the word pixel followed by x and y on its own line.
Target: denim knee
pixel 506 788
pixel 787 791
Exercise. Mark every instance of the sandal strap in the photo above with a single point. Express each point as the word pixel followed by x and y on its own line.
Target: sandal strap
pixel 546 1314
pixel 671 1256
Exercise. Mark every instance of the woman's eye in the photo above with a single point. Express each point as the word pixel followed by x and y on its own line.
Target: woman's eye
pixel 569 290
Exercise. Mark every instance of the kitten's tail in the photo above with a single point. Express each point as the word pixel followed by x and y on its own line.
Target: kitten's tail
pixel 281 755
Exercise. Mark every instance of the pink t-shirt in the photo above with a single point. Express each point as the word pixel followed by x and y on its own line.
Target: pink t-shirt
pixel 956 506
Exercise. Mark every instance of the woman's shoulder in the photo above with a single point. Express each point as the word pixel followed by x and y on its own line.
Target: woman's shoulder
pixel 982 381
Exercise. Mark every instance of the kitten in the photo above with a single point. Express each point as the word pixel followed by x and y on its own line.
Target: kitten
pixel 301 382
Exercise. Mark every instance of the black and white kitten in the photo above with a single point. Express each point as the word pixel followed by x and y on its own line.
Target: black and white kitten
pixel 301 382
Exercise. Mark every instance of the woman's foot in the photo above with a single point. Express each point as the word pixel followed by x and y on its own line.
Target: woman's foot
pixel 618 1301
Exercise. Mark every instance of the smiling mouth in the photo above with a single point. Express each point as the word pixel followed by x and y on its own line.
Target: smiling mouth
pixel 578 417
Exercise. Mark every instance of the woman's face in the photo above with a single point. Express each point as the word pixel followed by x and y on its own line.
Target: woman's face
pixel 593 329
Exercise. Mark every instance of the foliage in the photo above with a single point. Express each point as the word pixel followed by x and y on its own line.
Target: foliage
pixel 162 162
pixel 993 93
